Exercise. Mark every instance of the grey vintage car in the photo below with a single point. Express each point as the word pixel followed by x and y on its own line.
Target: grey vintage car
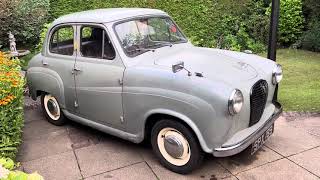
pixel 132 73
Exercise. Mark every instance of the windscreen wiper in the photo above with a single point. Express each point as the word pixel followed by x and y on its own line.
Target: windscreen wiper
pixel 142 49
pixel 163 44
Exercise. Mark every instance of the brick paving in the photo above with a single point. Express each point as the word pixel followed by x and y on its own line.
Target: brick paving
pixel 76 152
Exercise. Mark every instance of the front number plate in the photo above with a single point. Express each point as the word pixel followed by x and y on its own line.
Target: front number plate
pixel 256 145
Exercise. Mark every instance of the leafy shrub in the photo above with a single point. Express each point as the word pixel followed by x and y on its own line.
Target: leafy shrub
pixel 11 103
pixel 291 21
pixel 43 34
pixel 7 173
pixel 6 8
pixel 311 10
pixel 24 18
pixel 311 38
pixel 247 29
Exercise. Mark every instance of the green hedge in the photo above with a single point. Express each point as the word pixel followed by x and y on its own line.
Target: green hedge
pixel 291 21
pixel 11 106
pixel 230 24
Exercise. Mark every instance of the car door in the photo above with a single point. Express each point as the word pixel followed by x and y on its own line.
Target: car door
pixel 98 77
pixel 61 57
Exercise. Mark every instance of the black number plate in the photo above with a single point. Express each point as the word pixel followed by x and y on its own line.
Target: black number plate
pixel 256 145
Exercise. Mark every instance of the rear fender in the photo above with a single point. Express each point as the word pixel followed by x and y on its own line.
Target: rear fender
pixel 45 80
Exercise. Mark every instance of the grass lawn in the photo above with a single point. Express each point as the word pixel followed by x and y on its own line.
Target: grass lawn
pixel 300 88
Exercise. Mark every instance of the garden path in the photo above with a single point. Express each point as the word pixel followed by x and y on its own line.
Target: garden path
pixel 74 151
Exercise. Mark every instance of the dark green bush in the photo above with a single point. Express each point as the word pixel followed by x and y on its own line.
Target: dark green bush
pixel 6 8
pixel 311 10
pixel 311 38
pixel 24 18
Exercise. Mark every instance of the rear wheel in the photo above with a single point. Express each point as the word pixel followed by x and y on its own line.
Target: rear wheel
pixel 176 146
pixel 52 110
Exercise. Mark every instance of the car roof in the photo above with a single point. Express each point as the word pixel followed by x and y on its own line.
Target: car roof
pixel 106 15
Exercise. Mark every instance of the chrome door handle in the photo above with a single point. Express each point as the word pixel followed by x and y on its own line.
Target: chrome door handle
pixel 75 69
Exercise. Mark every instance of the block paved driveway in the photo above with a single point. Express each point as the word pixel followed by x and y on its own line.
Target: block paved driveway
pixel 75 152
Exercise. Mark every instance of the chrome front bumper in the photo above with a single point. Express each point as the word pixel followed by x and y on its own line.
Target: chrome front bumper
pixel 237 148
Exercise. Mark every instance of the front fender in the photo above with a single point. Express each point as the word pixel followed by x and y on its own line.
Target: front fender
pixel 46 80
pixel 185 119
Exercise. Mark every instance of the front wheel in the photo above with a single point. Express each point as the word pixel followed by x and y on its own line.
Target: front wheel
pixel 176 146
pixel 52 110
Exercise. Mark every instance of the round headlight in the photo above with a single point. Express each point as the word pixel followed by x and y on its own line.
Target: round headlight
pixel 277 74
pixel 235 102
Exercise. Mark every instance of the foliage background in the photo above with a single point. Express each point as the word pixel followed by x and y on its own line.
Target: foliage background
pixel 228 24
pixel 11 103
pixel 209 23
pixel 291 21
pixel 24 18
pixel 311 36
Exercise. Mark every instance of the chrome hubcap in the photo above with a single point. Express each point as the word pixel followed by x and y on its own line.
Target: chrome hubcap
pixel 173 146
pixel 53 107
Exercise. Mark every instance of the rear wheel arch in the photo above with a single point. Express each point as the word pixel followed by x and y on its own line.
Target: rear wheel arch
pixel 45 81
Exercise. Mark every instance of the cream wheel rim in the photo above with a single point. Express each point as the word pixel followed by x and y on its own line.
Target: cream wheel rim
pixel 52 107
pixel 183 156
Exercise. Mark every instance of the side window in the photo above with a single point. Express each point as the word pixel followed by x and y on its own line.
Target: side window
pixel 95 43
pixel 61 41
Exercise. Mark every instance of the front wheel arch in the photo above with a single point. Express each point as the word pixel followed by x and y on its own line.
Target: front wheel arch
pixel 155 117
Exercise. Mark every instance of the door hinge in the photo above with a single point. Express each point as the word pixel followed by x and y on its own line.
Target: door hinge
pixel 121 119
pixel 120 82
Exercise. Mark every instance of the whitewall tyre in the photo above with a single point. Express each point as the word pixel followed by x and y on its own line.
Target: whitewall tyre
pixel 52 110
pixel 176 146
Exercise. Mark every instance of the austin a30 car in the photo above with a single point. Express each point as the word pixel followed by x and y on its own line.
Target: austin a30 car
pixel 132 73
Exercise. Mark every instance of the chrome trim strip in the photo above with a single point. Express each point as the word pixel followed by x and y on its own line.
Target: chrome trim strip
pixel 235 149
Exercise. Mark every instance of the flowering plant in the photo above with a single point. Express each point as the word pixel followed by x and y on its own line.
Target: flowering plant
pixel 11 102
pixel 9 79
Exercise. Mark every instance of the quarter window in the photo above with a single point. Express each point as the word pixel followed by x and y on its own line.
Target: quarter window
pixel 61 41
pixel 95 43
